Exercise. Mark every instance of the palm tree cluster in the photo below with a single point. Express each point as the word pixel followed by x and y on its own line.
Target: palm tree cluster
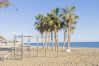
pixel 55 20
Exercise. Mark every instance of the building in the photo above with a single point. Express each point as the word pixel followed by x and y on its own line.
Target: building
pixel 2 40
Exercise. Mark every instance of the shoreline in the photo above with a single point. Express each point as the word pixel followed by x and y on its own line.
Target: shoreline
pixel 10 45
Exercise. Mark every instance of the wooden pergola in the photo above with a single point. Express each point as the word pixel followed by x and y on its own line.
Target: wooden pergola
pixel 22 37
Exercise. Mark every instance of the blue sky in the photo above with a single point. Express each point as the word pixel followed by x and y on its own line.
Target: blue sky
pixel 22 21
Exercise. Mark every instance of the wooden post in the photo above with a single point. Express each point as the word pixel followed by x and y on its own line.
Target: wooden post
pixel 22 47
pixel 11 52
pixel 37 44
pixel 14 46
pixel 32 47
pixel 29 45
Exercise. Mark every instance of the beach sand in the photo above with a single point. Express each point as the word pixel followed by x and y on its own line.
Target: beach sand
pixel 77 57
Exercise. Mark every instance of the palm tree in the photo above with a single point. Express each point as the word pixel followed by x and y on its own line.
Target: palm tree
pixel 55 24
pixel 4 3
pixel 46 27
pixel 70 20
pixel 40 27
pixel 51 28
pixel 64 27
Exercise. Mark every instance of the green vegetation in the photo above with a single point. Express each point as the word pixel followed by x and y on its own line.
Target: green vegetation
pixel 7 3
pixel 4 3
pixel 54 21
pixel 1 37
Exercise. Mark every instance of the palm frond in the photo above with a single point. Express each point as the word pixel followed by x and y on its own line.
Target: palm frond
pixel 4 3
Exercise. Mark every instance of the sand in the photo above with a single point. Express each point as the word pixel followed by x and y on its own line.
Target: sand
pixel 77 57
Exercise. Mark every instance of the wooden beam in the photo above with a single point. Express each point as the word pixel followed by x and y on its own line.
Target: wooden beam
pixel 37 44
pixel 29 36
pixel 22 47
pixel 29 46
pixel 14 46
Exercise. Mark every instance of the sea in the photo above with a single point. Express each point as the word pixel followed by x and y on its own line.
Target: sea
pixel 73 44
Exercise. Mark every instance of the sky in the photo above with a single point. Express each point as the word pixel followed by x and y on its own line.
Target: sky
pixel 22 21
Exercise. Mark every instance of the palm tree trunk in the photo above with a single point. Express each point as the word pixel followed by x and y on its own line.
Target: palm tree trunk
pixel 45 43
pixel 42 41
pixel 52 39
pixel 64 39
pixel 68 47
pixel 48 39
pixel 55 38
pixel 57 42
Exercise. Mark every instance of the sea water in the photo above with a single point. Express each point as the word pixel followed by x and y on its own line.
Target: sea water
pixel 73 44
